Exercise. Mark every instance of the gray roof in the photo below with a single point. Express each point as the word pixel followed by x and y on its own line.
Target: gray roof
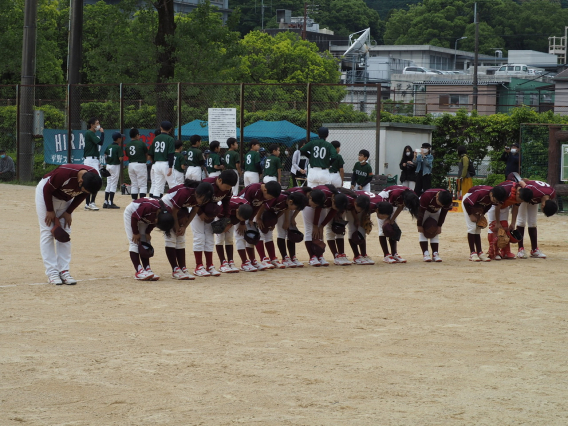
pixel 562 76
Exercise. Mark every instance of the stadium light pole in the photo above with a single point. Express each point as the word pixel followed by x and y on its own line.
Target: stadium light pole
pixel 456 51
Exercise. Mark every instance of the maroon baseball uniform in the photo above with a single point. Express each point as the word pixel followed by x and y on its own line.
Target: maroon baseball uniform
pixel 540 189
pixel 253 194
pixel 63 184
pixel 146 212
pixel 478 198
pixel 375 199
pixel 181 196
pixel 234 204
pixel 219 195
pixel 428 203
pixel 326 205
pixel 395 195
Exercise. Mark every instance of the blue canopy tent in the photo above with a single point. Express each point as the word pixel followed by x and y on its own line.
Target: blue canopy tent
pixel 280 132
pixel 197 127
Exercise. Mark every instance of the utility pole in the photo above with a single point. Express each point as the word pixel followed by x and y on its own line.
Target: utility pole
pixel 304 25
pixel 27 94
pixel 475 88
pixel 74 60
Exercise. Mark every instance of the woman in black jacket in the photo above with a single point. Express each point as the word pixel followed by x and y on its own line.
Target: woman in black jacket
pixel 408 167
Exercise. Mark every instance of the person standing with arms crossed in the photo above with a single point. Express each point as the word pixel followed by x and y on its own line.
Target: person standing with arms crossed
pixel 321 154
pixel 162 153
pixel 233 162
pixel 91 155
pixel 137 170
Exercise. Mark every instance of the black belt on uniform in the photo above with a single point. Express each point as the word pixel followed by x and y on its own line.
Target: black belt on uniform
pixel 93 157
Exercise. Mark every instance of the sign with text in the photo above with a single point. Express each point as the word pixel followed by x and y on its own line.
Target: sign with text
pixel 222 125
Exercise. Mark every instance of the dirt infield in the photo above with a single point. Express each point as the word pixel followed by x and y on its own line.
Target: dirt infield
pixel 454 343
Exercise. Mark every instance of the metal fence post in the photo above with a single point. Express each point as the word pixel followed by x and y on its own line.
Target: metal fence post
pixel 18 131
pixel 378 129
pixel 308 112
pixel 242 124
pixel 121 119
pixel 69 131
pixel 179 110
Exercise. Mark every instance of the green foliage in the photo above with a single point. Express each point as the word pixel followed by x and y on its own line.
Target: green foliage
pixel 398 107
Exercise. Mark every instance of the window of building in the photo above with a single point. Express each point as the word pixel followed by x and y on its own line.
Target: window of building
pixel 454 101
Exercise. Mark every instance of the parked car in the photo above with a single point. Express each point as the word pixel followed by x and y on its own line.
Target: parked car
pixel 420 70
pixel 513 69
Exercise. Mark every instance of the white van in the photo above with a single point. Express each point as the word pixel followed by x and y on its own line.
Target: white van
pixel 513 69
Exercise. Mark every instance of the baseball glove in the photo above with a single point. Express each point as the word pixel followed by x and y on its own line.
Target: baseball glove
pixel 502 238
pixel 392 231
pixel 146 250
pixel 367 223
pixel 219 225
pixel 482 222
pixel 338 228
pixel 104 172
pixel 59 233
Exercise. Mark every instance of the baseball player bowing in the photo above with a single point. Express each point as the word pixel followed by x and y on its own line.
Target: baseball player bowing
pixel 435 203
pixel 191 194
pixel 57 195
pixel 203 240
pixel 140 218
pixel 545 195
pixel 476 203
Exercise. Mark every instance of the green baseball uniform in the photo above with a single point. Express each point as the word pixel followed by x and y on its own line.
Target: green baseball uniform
pixel 361 172
pixel 231 160
pixel 320 153
pixel 178 161
pixel 251 159
pixel 92 143
pixel 213 160
pixel 271 166
pixel 162 146
pixel 136 151
pixel 113 154
pixel 194 157
pixel 337 165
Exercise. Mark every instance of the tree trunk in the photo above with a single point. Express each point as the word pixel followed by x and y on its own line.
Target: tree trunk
pixel 164 43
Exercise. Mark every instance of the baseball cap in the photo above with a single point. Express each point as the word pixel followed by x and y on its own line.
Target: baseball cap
pixel 166 125
pixel 117 135
pixel 262 149
pixel 207 151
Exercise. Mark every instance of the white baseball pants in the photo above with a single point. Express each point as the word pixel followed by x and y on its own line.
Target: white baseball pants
pixel 421 236
pixel 193 173
pixel 503 215
pixel 472 227
pixel 142 226
pixel 138 174
pixel 251 177
pixel 318 176
pixel 527 215
pixel 225 238
pixel 95 163
pixel 202 235
pixel 336 180
pixel 161 170
pixel 112 180
pixel 269 179
pixel 240 239
pixel 308 214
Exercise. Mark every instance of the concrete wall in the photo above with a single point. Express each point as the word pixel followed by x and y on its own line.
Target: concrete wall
pixel 561 98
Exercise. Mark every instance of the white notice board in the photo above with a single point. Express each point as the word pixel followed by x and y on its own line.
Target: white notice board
pixel 564 165
pixel 222 125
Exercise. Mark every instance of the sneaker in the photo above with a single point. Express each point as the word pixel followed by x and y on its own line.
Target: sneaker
pixel 233 266
pixel 178 274
pixel 436 257
pixel 323 262
pixel 314 261
pixel 225 268
pixel 389 259
pixel 277 264
pixel 54 279
pixel 87 207
pixel 200 271
pixel 368 260
pixel 497 257
pixel 345 260
pixel 398 258
pixel 155 277
pixel 474 257
pixel 483 257
pixel 337 260
pixel 247 267
pixel 267 263
pixel 212 271
pixel 260 266
pixel 359 260
pixel 143 275
pixel 66 278
pixel 105 206
pixel 112 206
pixel 186 272
pixel 289 263
pixel 93 206
pixel 521 253
pixel 297 262
pixel 537 254
pixel 426 257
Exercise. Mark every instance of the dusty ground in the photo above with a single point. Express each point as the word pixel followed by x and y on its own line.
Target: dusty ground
pixel 454 343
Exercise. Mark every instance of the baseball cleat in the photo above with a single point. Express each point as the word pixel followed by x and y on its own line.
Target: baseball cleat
pixel 67 279
pixel 247 267
pixel 483 257
pixel 155 277
pixel 521 253
pixel 105 206
pixel 288 262
pixel 474 257
pixel 368 260
pixel 537 254
pixel 186 272
pixel 200 271
pixel 260 266
pixel 398 258
pixel 225 268
pixel 112 206
pixel 314 261
pixel 297 262
pixel 337 260
pixel 427 257
pixel 143 275
pixel 54 279
pixel 389 259
pixel 178 274
pixel 93 206
pixel 277 264
pixel 266 261
pixel 436 257
pixel 359 260
pixel 233 266
pixel 214 272
pixel 344 260
pixel 323 262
